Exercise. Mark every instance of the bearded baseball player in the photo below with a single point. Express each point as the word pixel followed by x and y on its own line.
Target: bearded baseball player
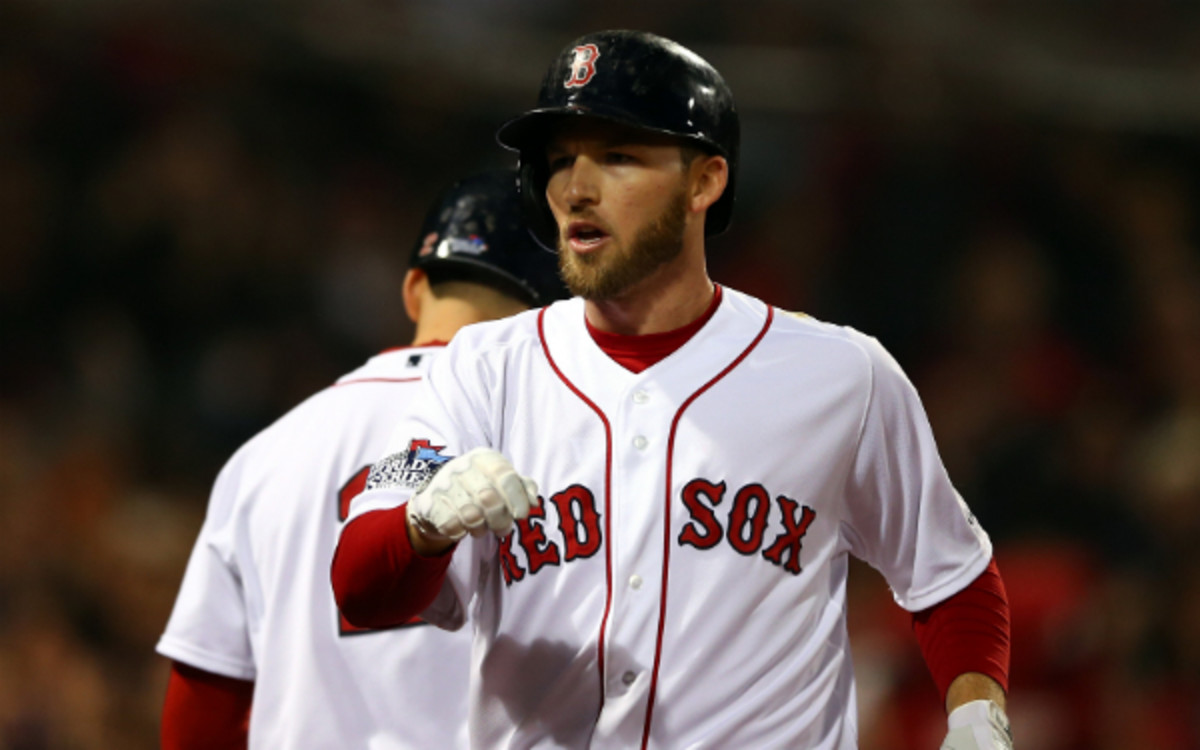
pixel 646 497
pixel 255 631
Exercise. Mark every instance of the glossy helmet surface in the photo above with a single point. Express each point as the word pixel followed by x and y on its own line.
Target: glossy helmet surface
pixel 634 78
pixel 475 231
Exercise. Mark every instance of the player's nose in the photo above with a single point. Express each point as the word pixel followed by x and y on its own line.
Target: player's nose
pixel 582 187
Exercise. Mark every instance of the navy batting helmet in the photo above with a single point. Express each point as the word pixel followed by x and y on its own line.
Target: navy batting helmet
pixel 474 231
pixel 637 79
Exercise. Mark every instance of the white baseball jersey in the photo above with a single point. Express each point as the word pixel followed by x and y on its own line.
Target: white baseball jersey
pixel 256 601
pixel 683 583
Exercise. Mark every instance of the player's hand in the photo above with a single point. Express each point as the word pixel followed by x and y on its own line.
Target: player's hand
pixel 475 493
pixel 978 725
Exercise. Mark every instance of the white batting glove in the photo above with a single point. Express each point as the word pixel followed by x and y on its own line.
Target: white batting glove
pixel 978 725
pixel 475 493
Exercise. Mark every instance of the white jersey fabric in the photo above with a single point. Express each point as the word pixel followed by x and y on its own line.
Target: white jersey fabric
pixel 256 601
pixel 683 585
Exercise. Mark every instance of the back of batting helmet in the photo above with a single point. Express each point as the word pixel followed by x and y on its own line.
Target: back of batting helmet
pixel 475 231
pixel 634 78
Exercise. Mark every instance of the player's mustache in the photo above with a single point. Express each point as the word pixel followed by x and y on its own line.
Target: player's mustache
pixel 587 215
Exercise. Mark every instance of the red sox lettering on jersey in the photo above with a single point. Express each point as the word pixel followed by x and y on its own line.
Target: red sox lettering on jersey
pixel 733 477
pixel 577 533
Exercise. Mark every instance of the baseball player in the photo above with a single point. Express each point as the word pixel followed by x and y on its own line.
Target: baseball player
pixel 646 496
pixel 255 629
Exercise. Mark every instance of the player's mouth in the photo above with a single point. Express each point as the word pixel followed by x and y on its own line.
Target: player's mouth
pixel 585 236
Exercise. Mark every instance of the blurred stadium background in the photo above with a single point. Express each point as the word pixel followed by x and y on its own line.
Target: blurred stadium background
pixel 206 207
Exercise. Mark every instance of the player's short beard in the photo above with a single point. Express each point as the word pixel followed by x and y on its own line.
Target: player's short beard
pixel 604 276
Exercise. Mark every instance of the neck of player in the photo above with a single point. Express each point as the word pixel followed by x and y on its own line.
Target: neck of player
pixel 441 309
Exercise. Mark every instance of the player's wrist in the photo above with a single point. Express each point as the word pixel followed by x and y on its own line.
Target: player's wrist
pixel 427 544
pixel 978 725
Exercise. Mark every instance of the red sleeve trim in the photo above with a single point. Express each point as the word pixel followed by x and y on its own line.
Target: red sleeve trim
pixel 205 711
pixel 969 632
pixel 379 581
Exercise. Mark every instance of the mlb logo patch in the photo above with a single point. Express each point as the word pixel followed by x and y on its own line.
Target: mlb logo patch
pixel 470 245
pixel 434 245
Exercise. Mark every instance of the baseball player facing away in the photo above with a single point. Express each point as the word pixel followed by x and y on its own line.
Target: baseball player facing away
pixel 255 629
pixel 648 494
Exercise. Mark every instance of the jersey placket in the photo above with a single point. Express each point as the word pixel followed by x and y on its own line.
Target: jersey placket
pixel 641 420
pixel 640 412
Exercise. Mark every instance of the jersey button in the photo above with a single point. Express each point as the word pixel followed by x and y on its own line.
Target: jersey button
pixel 640 442
pixel 629 677
pixel 640 397
pixel 635 581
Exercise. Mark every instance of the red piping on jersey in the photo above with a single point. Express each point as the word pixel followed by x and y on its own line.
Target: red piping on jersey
pixel 427 344
pixel 662 608
pixel 607 502
pixel 375 380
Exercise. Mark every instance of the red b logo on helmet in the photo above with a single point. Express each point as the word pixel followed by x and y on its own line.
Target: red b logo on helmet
pixel 583 65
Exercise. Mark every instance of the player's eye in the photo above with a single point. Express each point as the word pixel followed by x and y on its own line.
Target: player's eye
pixel 619 157
pixel 560 162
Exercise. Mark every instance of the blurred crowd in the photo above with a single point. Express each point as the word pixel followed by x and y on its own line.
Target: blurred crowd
pixel 200 228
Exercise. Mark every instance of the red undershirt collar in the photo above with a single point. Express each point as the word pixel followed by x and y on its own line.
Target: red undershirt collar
pixel 636 353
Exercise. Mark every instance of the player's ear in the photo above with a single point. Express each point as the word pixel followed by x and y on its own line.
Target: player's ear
pixel 709 175
pixel 416 286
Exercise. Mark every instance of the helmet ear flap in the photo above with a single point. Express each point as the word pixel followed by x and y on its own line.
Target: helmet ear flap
pixel 532 177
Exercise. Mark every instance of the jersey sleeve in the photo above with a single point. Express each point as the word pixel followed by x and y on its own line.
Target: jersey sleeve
pixel 208 627
pixel 450 416
pixel 905 518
